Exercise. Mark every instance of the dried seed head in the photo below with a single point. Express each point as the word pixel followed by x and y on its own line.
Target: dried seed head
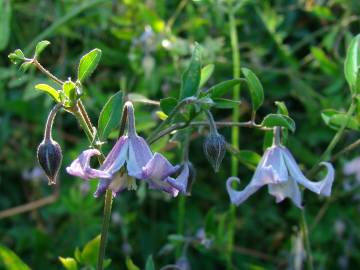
pixel 50 157
pixel 214 149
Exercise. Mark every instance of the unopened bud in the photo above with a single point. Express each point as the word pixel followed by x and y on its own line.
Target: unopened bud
pixel 50 157
pixel 49 151
pixel 214 149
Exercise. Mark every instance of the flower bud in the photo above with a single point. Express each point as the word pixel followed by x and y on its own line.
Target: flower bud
pixel 214 149
pixel 50 157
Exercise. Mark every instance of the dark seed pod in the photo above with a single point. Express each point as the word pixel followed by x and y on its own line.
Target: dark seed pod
pixel 214 149
pixel 50 157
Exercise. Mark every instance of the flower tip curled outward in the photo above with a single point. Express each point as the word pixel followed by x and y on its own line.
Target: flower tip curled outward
pixel 50 157
pixel 279 170
pixel 214 149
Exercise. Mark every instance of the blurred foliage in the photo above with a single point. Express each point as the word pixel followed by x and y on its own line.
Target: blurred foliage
pixel 297 49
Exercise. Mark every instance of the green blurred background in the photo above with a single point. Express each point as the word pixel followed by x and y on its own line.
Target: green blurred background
pixel 297 49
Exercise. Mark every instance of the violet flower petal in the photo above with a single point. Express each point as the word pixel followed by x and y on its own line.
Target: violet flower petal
pixel 117 156
pixel 238 197
pixel 81 166
pixel 288 189
pixel 139 155
pixel 322 187
pixel 180 182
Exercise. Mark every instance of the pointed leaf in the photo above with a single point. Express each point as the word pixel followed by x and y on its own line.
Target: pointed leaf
pixel 255 88
pixel 40 47
pixel 90 252
pixel 88 64
pixel 130 265
pixel 150 263
pixel 220 89
pixel 273 120
pixel 69 89
pixel 282 109
pixel 223 103
pixel 191 77
pixel 351 64
pixel 110 115
pixel 49 90
pixel 206 73
pixel 69 263
pixel 10 261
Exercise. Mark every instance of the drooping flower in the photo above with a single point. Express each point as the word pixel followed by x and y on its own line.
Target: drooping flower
pixel 279 170
pixel 130 150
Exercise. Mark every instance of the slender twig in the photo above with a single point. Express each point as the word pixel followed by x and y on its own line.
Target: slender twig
pixel 346 149
pixel 45 71
pixel 177 12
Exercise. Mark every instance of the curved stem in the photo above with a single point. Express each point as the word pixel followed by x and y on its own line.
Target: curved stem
pixel 212 124
pixel 50 121
pixel 105 228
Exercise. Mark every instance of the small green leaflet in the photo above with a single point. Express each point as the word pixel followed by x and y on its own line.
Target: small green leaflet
pixel 351 64
pixel 69 263
pixel 40 47
pixel 274 120
pixel 220 89
pixel 206 73
pixel 10 261
pixel 255 88
pixel 110 115
pixel 335 120
pixel 168 104
pixel 191 78
pixel 88 64
pixel 49 90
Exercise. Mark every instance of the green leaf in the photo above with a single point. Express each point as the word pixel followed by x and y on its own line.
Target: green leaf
pixel 130 265
pixel 16 56
pixel 351 65
pixel 206 73
pixel 69 263
pixel 5 20
pixel 25 66
pixel 191 77
pixel 10 261
pixel 90 252
pixel 255 88
pixel 88 64
pixel 150 263
pixel 220 89
pixel 110 115
pixel 274 120
pixel 325 63
pixel 335 120
pixel 40 47
pixel 282 109
pixel 49 90
pixel 69 89
pixel 133 97
pixel 223 103
pixel 168 104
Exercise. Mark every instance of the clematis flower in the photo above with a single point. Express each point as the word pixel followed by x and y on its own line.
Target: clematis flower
pixel 279 170
pixel 130 150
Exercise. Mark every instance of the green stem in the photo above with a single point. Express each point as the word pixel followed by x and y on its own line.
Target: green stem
pixel 234 130
pixel 305 232
pixel 170 117
pixel 105 228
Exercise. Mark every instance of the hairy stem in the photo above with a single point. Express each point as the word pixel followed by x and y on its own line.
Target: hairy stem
pixel 50 121
pixel 46 72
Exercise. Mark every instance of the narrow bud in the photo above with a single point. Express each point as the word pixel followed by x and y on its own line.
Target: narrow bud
pixel 50 157
pixel 49 151
pixel 214 145
pixel 214 149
